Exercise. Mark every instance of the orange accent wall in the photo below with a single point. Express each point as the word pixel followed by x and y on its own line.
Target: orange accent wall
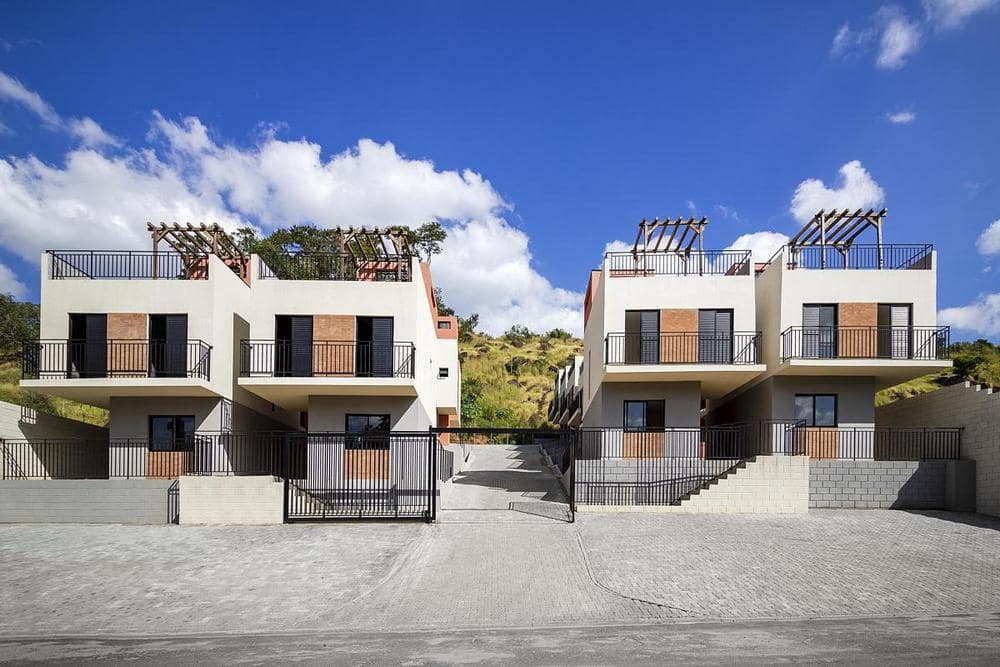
pixel 333 359
pixel 857 343
pixel 450 333
pixel 638 445
pixel 128 357
pixel 678 349
pixel 588 297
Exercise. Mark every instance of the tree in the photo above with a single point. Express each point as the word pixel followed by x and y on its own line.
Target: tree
pixel 518 334
pixel 560 334
pixel 467 326
pixel 426 239
pixel 439 300
pixel 18 323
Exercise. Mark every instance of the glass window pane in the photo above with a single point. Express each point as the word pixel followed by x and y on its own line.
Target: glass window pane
pixel 804 409
pixel 357 423
pixel 654 415
pixel 826 410
pixel 635 415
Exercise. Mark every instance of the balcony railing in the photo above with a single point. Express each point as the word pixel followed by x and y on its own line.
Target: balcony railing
pixel 280 358
pixel 333 266
pixel 682 348
pixel 873 342
pixel 884 257
pixel 62 359
pixel 870 443
pixel 127 265
pixel 706 263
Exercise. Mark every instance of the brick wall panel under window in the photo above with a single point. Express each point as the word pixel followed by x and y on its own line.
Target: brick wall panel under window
pixel 333 359
pixel 127 335
pixel 638 445
pixel 678 349
pixel 854 342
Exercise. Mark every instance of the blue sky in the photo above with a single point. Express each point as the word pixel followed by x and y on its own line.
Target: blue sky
pixel 538 131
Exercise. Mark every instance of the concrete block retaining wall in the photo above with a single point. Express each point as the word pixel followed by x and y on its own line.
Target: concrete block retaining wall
pixel 971 406
pixel 249 500
pixel 892 484
pixel 135 501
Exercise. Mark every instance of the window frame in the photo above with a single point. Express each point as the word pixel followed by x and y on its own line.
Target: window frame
pixel 444 373
pixel 812 422
pixel 186 446
pixel 645 428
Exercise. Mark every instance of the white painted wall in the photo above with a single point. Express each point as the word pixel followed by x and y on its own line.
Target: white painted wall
pixel 329 413
pixel 682 402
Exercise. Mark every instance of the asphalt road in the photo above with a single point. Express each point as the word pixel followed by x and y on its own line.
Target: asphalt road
pixel 952 640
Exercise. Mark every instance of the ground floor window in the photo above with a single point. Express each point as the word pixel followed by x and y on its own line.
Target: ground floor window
pixel 816 409
pixel 363 431
pixel 173 433
pixel 644 415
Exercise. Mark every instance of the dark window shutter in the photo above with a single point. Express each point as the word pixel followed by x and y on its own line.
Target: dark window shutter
pixel 301 345
pixel 382 332
pixel 96 347
pixel 649 336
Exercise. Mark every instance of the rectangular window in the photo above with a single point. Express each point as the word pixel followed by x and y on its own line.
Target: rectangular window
pixel 87 349
pixel 715 336
pixel 442 373
pixel 168 345
pixel 367 432
pixel 444 324
pixel 895 334
pixel 374 356
pixel 293 345
pixel 642 337
pixel 171 433
pixel 644 415
pixel 816 409
pixel 819 330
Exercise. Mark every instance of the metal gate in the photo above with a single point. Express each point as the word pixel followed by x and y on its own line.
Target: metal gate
pixel 557 448
pixel 374 475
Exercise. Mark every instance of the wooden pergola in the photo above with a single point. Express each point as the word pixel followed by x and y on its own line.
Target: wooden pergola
pixel 690 230
pixel 367 244
pixel 838 229
pixel 193 242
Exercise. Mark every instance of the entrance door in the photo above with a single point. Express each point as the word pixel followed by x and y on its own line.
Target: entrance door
pixel 293 345
pixel 168 345
pixel 642 337
pixel 374 356
pixel 819 331
pixel 88 346
pixel 715 336
pixel 894 330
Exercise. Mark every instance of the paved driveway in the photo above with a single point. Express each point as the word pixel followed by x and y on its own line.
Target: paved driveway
pixel 480 570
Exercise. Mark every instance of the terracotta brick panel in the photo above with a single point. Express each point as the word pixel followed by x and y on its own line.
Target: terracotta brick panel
pixel 820 442
pixel 643 445
pixel 336 357
pixel 129 356
pixel 366 464
pixel 168 465
pixel 677 348
pixel 854 342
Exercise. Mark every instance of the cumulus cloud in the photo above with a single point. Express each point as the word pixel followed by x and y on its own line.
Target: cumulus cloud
pixel 900 38
pixel 9 284
pixel 185 173
pixel 762 245
pixel 901 117
pixel 988 242
pixel 618 246
pixel 981 316
pixel 86 130
pixel 948 14
pixel 857 189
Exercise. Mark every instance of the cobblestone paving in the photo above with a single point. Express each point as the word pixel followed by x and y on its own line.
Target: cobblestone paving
pixel 475 570
pixel 823 564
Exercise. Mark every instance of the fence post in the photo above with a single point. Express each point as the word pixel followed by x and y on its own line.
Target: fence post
pixel 573 442
pixel 285 468
pixel 432 443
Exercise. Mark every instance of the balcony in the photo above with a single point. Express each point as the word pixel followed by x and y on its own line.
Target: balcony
pixel 94 371
pixel 721 363
pixel 890 354
pixel 867 443
pixel 857 257
pixel 288 372
pixel 126 265
pixel 694 263
pixel 334 266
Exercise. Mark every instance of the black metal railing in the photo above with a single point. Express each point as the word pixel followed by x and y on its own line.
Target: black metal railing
pixel 127 265
pixel 118 358
pixel 884 257
pixel 682 348
pixel 334 266
pixel 615 466
pixel 877 444
pixel 278 358
pixel 871 342
pixel 706 263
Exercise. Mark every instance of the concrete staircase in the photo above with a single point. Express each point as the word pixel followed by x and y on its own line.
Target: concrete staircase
pixel 760 485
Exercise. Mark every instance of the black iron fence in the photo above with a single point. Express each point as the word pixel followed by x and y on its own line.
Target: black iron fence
pixel 887 257
pixel 56 359
pixel 127 265
pixel 875 444
pixel 334 266
pixel 741 347
pixel 706 263
pixel 279 358
pixel 865 342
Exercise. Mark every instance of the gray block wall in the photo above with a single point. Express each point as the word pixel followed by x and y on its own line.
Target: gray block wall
pixel 642 481
pixel 947 485
pixel 134 501
pixel 973 407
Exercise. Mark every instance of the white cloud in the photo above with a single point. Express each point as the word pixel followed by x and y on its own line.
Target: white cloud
pixel 988 242
pixel 981 316
pixel 857 189
pixel 948 14
pixel 4 129
pixel 97 200
pixel 901 117
pixel 618 246
pixel 86 130
pixel 848 41
pixel 9 284
pixel 692 207
pixel 762 245
pixel 900 38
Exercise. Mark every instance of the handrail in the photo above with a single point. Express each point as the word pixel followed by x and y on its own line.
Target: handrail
pixel 127 265
pixel 327 358
pixel 115 358
pixel 888 257
pixel 334 266
pixel 669 263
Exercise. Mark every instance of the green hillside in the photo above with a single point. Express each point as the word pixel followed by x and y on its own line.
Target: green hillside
pixel 978 361
pixel 507 381
pixel 11 392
